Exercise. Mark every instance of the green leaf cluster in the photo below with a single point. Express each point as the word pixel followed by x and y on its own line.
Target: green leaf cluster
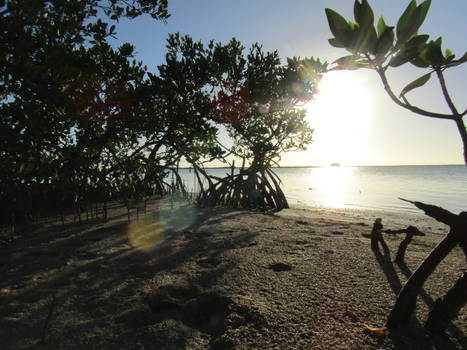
pixel 382 46
pixel 83 122
pixel 67 103
pixel 387 46
pixel 250 94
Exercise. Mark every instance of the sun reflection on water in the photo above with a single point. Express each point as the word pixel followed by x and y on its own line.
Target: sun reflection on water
pixel 331 183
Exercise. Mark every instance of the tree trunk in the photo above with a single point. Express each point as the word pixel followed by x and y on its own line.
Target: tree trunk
pixel 402 248
pixel 463 133
pixel 407 298
pixel 105 211
pixel 447 308
pixel 127 205
pixel 78 208
pixel 78 211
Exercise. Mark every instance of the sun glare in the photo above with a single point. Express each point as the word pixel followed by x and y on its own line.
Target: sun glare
pixel 331 184
pixel 340 116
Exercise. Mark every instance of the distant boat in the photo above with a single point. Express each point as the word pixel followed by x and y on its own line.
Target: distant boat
pixel 335 164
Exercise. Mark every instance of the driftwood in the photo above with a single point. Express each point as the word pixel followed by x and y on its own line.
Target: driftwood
pixel 410 232
pixel 376 235
pixel 447 308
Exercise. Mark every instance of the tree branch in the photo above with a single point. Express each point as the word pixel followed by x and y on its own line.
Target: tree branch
pixel 437 213
pixel 463 132
pixel 458 117
pixel 411 108
pixel 448 99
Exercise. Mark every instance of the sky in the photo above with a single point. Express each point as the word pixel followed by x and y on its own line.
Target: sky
pixel 355 122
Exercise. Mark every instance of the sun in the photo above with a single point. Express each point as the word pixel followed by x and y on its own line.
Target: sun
pixel 340 115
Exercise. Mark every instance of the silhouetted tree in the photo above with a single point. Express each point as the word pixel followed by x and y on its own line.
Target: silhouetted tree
pixel 52 53
pixel 257 100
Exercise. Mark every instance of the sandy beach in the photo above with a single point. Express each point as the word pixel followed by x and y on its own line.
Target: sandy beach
pixel 214 278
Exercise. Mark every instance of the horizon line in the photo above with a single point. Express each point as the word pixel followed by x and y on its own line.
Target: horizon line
pixel 329 166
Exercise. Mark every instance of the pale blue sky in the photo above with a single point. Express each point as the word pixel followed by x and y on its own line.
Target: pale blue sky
pixel 383 133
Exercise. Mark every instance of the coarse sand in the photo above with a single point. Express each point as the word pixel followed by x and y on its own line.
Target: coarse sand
pixel 214 278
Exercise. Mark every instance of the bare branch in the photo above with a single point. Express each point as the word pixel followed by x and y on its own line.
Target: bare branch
pixel 448 99
pixel 411 108
pixel 437 213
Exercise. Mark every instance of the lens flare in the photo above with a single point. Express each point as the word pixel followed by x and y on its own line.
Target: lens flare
pixel 147 233
pixel 178 218
pixel 150 231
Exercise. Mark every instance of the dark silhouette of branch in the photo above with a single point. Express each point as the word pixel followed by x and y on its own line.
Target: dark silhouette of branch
pixel 382 73
pixel 437 213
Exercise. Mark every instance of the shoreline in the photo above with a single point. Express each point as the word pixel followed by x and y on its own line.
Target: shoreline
pixel 368 187
pixel 391 219
pixel 215 278
pixel 369 210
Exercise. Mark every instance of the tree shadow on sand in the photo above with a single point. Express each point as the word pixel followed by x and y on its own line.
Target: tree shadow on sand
pixel 419 335
pixel 98 280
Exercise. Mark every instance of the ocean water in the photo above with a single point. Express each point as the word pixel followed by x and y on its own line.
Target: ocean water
pixel 372 187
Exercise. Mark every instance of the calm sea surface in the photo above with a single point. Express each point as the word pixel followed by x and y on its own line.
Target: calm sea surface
pixel 369 187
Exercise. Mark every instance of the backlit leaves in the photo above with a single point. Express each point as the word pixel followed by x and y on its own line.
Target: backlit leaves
pixel 415 84
pixel 336 43
pixel 363 14
pixel 339 27
pixel 381 26
pixel 410 51
pixel 411 20
pixel 385 44
pixel 380 49
pixel 454 63
pixel 405 19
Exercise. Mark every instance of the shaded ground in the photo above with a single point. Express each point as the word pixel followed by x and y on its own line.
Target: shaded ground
pixel 193 278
